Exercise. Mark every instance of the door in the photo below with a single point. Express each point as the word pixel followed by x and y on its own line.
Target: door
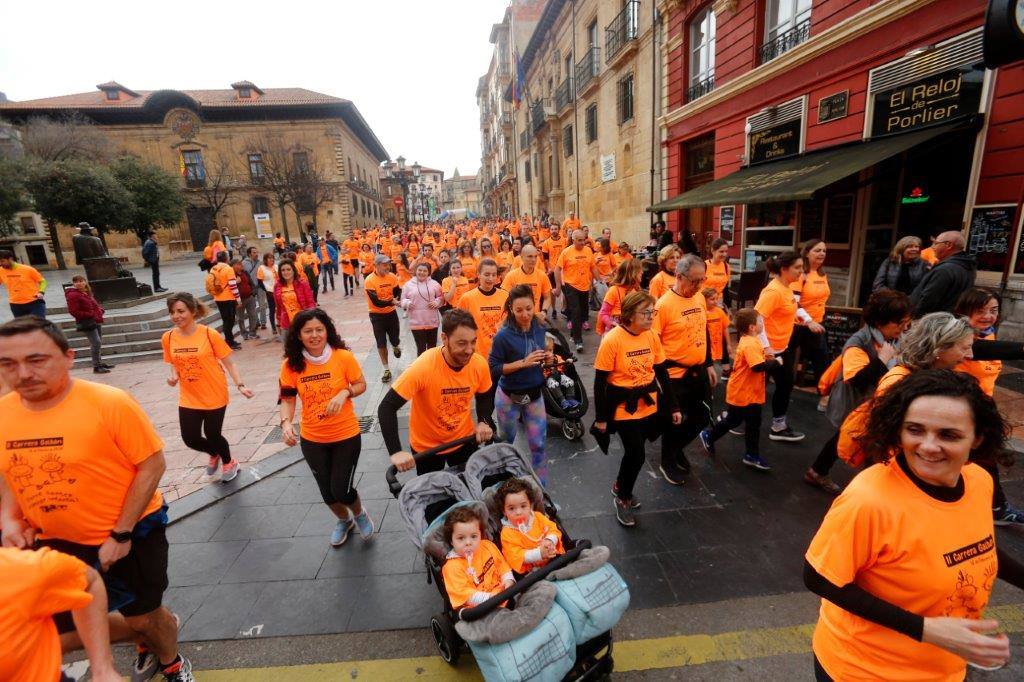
pixel 200 222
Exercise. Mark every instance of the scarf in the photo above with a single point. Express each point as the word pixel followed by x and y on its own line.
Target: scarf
pixel 318 359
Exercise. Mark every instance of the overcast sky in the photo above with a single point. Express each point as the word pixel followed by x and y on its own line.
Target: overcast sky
pixel 411 67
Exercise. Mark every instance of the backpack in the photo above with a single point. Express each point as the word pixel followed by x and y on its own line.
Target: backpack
pixel 213 287
pixel 844 398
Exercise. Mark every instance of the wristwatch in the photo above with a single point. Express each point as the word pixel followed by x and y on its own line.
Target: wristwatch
pixel 122 538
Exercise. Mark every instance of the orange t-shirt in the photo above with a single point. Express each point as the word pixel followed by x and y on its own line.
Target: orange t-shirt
pixel 576 265
pixel 211 251
pixel 985 371
pixel 932 558
pixel 279 242
pixel 777 306
pixel 516 542
pixel 746 387
pixel 469 266
pixel 553 248
pixel 461 287
pixel 570 224
pixel 814 292
pixel 488 310
pixel 224 275
pixel 504 259
pixel 718 324
pixel 928 256
pixel 70 466
pixel 605 263
pixel 660 283
pixel 487 577
pixel 614 298
pixel 716 275
pixel 36 585
pixel 196 358
pixel 22 282
pixel 384 288
pixel 290 300
pixel 854 424
pixel 442 397
pixel 536 280
pixel 317 385
pixel 629 360
pixel 682 327
pixel 365 259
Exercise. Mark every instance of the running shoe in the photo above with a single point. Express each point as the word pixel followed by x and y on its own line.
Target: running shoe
pixel 579 346
pixel 179 671
pixel 812 477
pixel 146 662
pixel 398 351
pixel 683 463
pixel 1007 516
pixel 707 442
pixel 823 403
pixel 736 432
pixel 100 369
pixel 624 513
pixel 341 530
pixel 364 524
pixel 212 464
pixel 672 473
pixel 633 502
pixel 787 434
pixel 569 404
pixel 756 462
pixel 229 471
pixel 386 376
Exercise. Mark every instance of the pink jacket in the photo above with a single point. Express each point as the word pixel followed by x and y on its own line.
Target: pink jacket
pixel 416 298
pixel 302 292
pixel 82 306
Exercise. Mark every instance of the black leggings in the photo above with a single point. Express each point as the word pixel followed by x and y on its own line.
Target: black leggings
pixel 827 457
pixel 349 283
pixel 782 375
pixel 633 433
pixel 334 468
pixel 424 338
pixel 733 417
pixel 812 349
pixel 693 395
pixel 195 423
pixel 578 304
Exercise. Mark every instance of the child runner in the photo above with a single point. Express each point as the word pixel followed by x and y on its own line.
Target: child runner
pixel 474 570
pixel 744 395
pixel 529 539
pixel 718 327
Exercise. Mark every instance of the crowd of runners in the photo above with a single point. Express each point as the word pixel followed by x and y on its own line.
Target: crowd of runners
pixel 483 300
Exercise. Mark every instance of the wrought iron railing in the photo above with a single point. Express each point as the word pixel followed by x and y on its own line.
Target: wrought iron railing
pixel 506 119
pixel 537 118
pixel 700 89
pixel 622 30
pixel 587 68
pixel 564 94
pixel 786 41
pixel 525 138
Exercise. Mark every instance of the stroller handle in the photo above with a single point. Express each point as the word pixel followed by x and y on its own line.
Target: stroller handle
pixel 480 610
pixel 391 473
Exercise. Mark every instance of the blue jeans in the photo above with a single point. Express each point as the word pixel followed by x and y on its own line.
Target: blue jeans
pixel 536 421
pixel 37 308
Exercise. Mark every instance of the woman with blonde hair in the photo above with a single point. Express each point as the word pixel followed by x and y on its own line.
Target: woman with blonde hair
pixel 214 245
pixel 903 269
pixel 625 281
pixel 666 277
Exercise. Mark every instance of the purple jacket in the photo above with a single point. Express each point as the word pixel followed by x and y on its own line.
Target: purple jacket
pixel 416 298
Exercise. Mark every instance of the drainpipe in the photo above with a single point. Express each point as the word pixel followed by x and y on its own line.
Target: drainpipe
pixel 656 22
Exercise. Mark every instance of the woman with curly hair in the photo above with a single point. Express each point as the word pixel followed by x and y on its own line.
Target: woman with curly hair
pixel 321 372
pixel 909 546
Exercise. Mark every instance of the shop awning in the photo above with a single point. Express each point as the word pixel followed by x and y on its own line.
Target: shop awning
pixel 796 178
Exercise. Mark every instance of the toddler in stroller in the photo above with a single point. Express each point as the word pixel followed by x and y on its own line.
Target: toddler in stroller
pixel 562 387
pixel 564 397
pixel 474 570
pixel 529 539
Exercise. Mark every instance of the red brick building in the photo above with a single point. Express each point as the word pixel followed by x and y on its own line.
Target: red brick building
pixel 855 121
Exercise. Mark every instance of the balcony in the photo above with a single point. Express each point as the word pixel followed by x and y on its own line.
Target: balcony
pixel 700 89
pixel 587 68
pixel 363 188
pixel 564 94
pixel 506 119
pixel 525 138
pixel 537 118
pixel 785 42
pixel 622 32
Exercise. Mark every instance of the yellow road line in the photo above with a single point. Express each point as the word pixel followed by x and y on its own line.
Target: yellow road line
pixel 639 654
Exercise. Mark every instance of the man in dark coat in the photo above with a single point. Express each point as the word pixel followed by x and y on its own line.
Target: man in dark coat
pixel 952 275
pixel 151 256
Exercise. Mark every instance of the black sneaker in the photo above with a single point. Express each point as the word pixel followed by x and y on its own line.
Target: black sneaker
pixel 398 351
pixel 786 434
pixel 235 346
pixel 100 369
pixel 672 473
pixel 624 513
pixel 633 502
pixel 684 463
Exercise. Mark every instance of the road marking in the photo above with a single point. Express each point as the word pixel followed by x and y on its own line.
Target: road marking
pixel 654 653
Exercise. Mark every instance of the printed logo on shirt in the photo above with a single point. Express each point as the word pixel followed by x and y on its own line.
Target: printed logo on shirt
pixel 315 377
pixel 968 552
pixel 454 404
pixel 36 483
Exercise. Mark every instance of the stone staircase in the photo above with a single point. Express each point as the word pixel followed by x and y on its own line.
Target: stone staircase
pixel 130 334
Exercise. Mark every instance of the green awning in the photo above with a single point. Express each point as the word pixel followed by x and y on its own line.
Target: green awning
pixel 798 177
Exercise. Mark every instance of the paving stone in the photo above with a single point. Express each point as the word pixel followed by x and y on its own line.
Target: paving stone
pixel 201 563
pixel 261 523
pixel 385 554
pixel 185 601
pixel 395 601
pixel 224 614
pixel 196 528
pixel 297 558
pixel 299 491
pixel 305 607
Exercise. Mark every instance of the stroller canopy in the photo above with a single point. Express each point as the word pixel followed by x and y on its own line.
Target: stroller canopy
pixel 500 458
pixel 423 491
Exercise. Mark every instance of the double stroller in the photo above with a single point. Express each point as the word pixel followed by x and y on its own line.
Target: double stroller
pixel 572 640
pixel 571 418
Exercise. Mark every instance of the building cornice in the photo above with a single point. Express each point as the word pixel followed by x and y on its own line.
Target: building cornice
pixel 865 21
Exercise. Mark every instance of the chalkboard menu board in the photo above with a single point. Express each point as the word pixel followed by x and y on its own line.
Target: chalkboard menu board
pixel 840 324
pixel 990 237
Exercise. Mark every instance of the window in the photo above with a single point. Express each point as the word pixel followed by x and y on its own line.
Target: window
pixel 786 25
pixel 300 162
pixel 568 67
pixel 112 95
pixel 256 168
pixel 351 171
pixel 389 215
pixel 625 99
pixel 195 172
pixel 567 141
pixel 592 34
pixel 244 93
pixel 702 53
pixel 260 205
pixel 591 120
pixel 28 225
pixel 526 171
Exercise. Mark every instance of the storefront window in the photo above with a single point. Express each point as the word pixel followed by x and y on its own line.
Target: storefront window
pixel 885 187
pixel 776 214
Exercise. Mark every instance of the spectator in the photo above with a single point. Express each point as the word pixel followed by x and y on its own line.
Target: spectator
pixel 266 276
pixel 954 274
pixel 251 265
pixel 903 269
pixel 88 319
pixel 247 319
pixel 151 256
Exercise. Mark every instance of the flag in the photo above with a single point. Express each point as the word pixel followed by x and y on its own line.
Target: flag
pixel 519 82
pixel 181 163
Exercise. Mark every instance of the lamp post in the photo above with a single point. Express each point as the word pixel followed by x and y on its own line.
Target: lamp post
pixel 416 168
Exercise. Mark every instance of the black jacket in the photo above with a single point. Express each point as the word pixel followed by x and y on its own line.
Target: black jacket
pixel 942 286
pixel 150 252
pixel 889 272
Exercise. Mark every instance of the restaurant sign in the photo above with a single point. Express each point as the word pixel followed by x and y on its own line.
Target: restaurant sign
pixel 929 101
pixel 776 142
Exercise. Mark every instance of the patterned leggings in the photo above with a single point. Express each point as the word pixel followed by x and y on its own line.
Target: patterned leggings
pixel 536 421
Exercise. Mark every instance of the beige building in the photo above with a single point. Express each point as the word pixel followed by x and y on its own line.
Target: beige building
pixel 231 138
pixel 462 196
pixel 584 126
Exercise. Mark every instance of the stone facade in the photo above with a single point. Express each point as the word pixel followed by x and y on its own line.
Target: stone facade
pixel 211 135
pixel 462 193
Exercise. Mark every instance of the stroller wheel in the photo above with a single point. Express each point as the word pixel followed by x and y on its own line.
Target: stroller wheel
pixel 446 639
pixel 572 429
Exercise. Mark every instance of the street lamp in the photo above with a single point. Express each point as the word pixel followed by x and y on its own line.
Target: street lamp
pixel 416 168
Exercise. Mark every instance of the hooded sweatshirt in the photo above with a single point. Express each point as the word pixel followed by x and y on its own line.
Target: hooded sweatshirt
pixel 511 344
pixel 942 285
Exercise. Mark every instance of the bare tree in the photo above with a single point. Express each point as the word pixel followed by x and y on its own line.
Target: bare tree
pixel 277 173
pixel 63 139
pixel 222 187
pixel 311 188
